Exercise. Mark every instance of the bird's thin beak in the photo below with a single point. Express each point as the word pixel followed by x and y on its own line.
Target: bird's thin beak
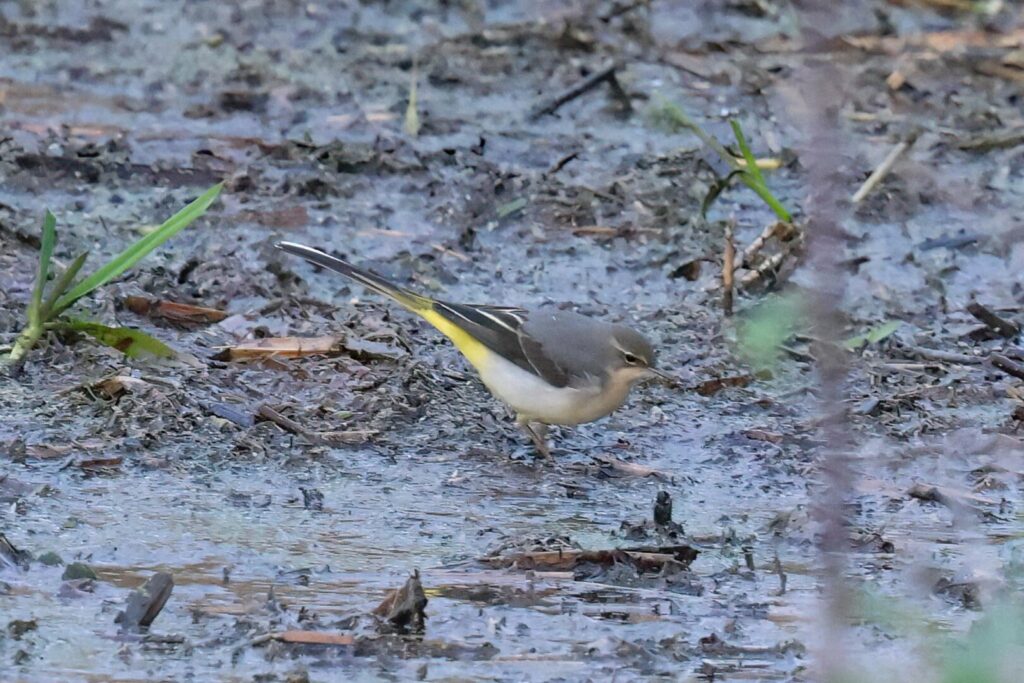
pixel 664 376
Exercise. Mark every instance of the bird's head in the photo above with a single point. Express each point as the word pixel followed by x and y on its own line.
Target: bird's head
pixel 633 357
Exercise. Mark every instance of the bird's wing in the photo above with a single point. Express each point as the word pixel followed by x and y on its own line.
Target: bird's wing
pixel 500 328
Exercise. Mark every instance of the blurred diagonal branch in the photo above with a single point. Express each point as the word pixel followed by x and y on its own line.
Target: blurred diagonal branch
pixel 816 107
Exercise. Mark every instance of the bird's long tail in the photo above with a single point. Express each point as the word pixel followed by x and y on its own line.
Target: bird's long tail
pixel 406 297
pixel 472 348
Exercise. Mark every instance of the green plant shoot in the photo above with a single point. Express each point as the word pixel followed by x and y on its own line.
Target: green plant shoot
pixel 42 314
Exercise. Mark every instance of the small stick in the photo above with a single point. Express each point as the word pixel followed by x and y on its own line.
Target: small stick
pixel 780 228
pixel 286 423
pixel 727 267
pixel 560 164
pixel 1002 326
pixel 594 230
pixel 777 565
pixel 1008 366
pixel 569 94
pixel 451 252
pixel 619 10
pixel 883 168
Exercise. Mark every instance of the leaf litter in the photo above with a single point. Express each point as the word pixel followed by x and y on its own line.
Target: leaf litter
pixel 479 205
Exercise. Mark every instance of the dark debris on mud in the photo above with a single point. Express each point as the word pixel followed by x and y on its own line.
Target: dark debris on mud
pixel 286 493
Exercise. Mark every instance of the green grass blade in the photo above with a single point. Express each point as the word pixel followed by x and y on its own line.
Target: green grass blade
pixel 672 116
pixel 511 207
pixel 753 178
pixel 872 336
pixel 133 254
pixel 768 198
pixel 129 341
pixel 61 284
pixel 49 239
pixel 748 156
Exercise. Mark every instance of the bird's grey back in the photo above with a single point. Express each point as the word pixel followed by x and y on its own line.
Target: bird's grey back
pixel 576 344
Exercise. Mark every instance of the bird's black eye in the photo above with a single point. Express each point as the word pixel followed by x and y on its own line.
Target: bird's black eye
pixel 630 359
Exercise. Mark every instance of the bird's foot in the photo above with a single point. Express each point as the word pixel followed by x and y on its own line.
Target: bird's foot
pixel 538 433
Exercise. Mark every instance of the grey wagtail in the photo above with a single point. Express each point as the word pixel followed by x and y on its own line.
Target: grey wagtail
pixel 552 367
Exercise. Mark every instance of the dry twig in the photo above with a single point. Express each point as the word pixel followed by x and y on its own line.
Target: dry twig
pixel 769 265
pixel 883 168
pixel 1008 366
pixel 607 73
pixel 942 356
pixel 1000 326
pixel 781 229
pixel 728 266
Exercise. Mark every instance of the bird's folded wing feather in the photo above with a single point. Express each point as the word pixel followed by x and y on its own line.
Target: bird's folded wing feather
pixel 500 328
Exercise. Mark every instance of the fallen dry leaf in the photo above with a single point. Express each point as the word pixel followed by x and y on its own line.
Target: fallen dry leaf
pixel 763 435
pixel 288 217
pixel 288 347
pixel 948 496
pixel 100 463
pixel 713 386
pixel 46 451
pixel 938 41
pixel 896 80
pixel 180 314
pixel 113 387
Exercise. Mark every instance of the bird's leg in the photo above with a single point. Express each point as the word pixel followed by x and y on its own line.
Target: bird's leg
pixel 537 434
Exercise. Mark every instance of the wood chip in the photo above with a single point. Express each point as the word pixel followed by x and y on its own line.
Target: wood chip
pixel 314 637
pixel 405 607
pixel 146 602
pixel 999 325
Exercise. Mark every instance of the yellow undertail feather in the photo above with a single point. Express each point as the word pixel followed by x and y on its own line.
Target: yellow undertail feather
pixel 475 352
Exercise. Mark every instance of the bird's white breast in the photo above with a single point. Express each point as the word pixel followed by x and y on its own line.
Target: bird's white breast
pixel 534 399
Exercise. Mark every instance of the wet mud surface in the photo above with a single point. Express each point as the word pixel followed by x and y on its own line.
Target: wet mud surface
pixel 114 116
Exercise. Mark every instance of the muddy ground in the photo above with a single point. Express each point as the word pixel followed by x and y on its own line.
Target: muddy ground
pixel 115 114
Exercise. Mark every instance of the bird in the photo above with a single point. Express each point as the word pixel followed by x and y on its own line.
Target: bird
pixel 550 366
